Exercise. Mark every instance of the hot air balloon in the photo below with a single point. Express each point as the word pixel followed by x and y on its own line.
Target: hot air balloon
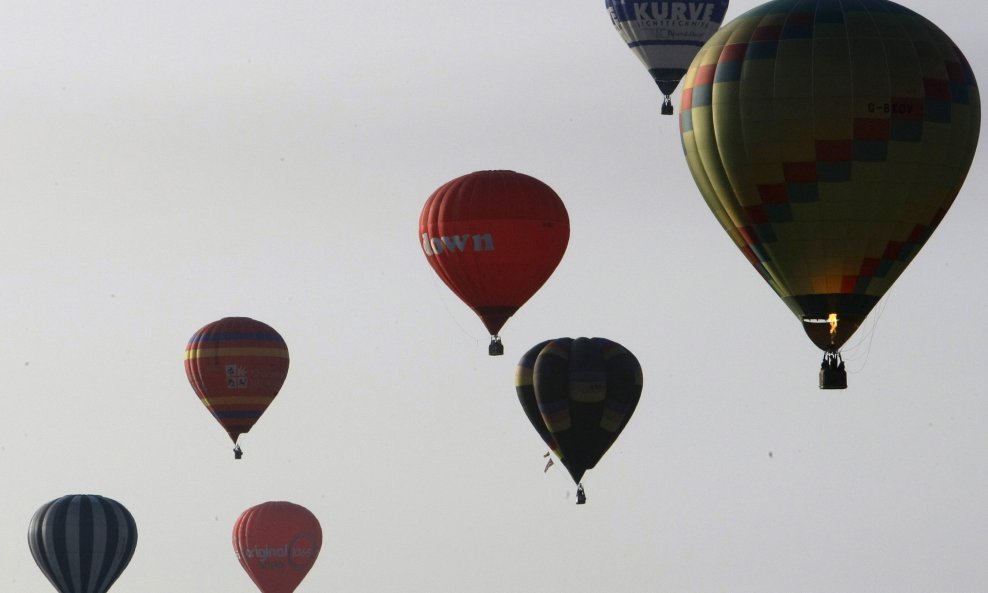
pixel 277 543
pixel 666 35
pixel 494 237
pixel 82 542
pixel 236 366
pixel 579 395
pixel 829 138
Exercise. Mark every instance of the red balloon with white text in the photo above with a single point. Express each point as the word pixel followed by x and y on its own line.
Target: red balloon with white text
pixel 494 237
pixel 277 543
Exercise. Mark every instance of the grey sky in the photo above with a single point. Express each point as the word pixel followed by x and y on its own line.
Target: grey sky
pixel 165 166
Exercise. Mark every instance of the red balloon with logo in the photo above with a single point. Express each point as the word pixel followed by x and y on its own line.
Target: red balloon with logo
pixel 494 237
pixel 277 542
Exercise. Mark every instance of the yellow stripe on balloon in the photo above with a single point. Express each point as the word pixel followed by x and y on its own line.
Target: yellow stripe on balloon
pixel 611 420
pixel 244 351
pixel 523 376
pixel 587 392
pixel 236 400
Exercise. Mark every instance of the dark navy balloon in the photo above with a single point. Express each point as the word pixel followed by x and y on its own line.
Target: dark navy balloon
pixel 82 542
pixel 579 394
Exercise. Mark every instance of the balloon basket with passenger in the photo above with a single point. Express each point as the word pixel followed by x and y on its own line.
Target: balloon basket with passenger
pixel 829 334
pixel 667 106
pixel 833 375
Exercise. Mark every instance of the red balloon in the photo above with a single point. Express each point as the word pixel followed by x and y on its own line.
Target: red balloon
pixel 494 237
pixel 277 543
pixel 236 366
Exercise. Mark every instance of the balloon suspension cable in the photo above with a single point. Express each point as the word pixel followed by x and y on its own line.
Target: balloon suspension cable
pixel 496 348
pixel 667 106
pixel 237 452
pixel 581 496
pixel 833 375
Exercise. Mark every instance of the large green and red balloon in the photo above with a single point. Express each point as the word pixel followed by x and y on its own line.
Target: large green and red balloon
pixel 829 138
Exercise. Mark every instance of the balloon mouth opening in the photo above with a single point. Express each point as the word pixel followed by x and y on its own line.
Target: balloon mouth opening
pixel 832 332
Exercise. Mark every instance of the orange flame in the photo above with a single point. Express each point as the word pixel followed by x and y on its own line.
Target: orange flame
pixel 832 320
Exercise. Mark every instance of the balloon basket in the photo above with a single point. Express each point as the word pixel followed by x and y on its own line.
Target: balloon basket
pixel 496 348
pixel 667 106
pixel 833 375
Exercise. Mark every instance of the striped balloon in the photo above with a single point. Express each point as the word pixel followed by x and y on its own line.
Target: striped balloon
pixel 82 542
pixel 236 366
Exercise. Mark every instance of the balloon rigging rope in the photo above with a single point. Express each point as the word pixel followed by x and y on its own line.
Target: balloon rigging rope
pixel 442 298
pixel 870 337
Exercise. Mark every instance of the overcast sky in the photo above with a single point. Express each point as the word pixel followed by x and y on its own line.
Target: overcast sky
pixel 164 165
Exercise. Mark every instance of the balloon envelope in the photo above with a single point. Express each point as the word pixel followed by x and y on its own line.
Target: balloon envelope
pixel 829 139
pixel 666 35
pixel 82 542
pixel 236 366
pixel 494 237
pixel 579 395
pixel 277 543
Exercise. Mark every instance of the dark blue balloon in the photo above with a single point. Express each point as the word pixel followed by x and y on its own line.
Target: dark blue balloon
pixel 82 542
pixel 579 395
